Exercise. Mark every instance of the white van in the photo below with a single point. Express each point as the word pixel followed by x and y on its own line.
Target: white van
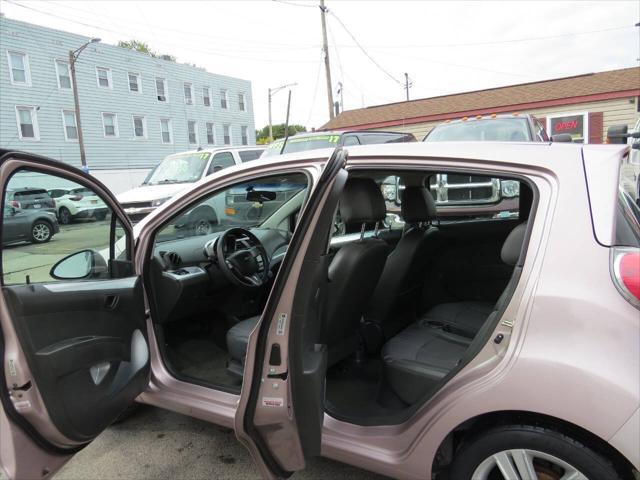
pixel 177 172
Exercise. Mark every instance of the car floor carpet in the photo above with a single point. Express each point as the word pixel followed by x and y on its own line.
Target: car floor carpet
pixel 201 359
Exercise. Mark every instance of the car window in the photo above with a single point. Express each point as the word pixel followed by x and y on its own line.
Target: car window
pixel 221 160
pixel 246 205
pixel 301 143
pixel 179 168
pixel 350 140
pixel 34 241
pixel 248 155
pixel 491 129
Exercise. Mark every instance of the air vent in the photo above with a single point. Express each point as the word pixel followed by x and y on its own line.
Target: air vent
pixel 171 259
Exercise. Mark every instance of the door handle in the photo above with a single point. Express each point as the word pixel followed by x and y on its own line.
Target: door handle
pixel 111 302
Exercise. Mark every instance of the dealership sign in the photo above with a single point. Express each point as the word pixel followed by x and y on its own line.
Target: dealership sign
pixel 574 125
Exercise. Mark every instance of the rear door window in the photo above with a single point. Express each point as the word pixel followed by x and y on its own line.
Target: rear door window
pixel 220 161
pixel 248 155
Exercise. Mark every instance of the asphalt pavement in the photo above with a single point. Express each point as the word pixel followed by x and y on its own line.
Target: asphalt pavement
pixel 158 444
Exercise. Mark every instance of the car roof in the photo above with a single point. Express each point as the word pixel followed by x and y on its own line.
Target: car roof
pixel 492 116
pixel 221 149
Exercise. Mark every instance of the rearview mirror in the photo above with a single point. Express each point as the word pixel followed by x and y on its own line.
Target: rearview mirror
pixel 260 196
pixel 617 134
pixel 562 138
pixel 79 265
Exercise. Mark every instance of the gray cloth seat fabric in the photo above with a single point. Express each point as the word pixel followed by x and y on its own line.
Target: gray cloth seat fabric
pixel 420 356
pixel 351 278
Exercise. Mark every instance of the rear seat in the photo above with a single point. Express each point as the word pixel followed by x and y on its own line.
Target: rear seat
pixel 421 355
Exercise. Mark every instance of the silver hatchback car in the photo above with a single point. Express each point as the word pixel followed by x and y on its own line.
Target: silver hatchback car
pixel 360 313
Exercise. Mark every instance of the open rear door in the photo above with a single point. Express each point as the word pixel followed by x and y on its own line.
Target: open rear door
pixel 73 338
pixel 281 409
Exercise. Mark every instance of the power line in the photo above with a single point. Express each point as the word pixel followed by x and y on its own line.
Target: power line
pixel 295 4
pixel 364 51
pixel 315 89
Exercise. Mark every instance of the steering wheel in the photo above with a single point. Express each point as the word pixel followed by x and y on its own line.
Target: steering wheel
pixel 242 258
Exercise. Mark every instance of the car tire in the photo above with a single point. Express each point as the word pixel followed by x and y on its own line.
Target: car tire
pixel 41 231
pixel 64 216
pixel 522 448
pixel 100 216
pixel 202 220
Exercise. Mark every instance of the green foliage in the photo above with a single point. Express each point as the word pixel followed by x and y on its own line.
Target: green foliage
pixel 143 47
pixel 262 136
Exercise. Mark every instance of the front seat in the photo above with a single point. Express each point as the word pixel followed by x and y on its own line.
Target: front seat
pixel 394 302
pixel 352 278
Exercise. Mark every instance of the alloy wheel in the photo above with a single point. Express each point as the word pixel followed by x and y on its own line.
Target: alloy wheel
pixel 202 227
pixel 64 215
pixel 41 232
pixel 524 464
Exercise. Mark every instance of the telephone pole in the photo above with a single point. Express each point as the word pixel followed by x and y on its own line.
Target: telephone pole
pixel 73 57
pixel 406 84
pixel 325 50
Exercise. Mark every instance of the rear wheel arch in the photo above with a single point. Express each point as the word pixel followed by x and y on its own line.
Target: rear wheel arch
pixel 475 426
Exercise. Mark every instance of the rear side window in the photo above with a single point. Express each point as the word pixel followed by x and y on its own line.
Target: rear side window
pixel 248 155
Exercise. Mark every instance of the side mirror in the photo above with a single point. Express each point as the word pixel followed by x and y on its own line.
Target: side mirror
pixel 617 134
pixel 79 265
pixel 260 196
pixel 562 138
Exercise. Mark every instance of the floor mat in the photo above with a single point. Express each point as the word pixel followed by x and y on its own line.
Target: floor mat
pixel 201 359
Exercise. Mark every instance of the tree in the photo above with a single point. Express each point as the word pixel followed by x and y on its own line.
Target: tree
pixel 143 47
pixel 262 136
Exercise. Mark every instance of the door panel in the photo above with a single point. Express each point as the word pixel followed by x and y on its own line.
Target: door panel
pixel 281 408
pixel 83 349
pixel 73 332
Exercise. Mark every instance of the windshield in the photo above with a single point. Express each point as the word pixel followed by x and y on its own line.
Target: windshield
pixel 180 168
pixel 302 144
pixel 495 129
pixel 243 205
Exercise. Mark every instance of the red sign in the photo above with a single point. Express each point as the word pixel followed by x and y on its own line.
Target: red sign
pixel 571 124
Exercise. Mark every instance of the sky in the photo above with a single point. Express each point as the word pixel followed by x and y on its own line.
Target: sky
pixel 444 46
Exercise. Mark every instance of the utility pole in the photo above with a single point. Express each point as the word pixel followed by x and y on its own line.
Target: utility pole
pixel 406 84
pixel 272 92
pixel 73 57
pixel 325 50
pixel 340 89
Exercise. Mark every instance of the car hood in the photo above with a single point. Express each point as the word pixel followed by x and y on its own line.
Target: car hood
pixel 147 193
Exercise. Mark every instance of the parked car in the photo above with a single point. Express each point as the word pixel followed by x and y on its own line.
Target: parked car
pixel 177 172
pixel 75 203
pixel 312 140
pixel 483 348
pixel 30 225
pixel 504 127
pixel 29 198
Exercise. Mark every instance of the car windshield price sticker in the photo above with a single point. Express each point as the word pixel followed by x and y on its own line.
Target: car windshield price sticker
pixel 282 323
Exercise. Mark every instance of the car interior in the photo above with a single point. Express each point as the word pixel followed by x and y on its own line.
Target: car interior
pixel 414 287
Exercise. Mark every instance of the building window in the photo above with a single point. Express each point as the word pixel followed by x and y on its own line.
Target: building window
pixel 161 89
pixel 63 74
pixel 165 128
pixel 575 124
pixel 19 68
pixel 135 83
pixel 244 135
pixel 110 125
pixel 226 132
pixel 193 132
pixel 211 136
pixel 27 123
pixel 223 98
pixel 139 127
pixel 206 96
pixel 70 125
pixel 188 94
pixel 104 77
pixel 241 102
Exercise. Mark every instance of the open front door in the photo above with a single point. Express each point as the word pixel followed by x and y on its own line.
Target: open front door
pixel 281 409
pixel 73 337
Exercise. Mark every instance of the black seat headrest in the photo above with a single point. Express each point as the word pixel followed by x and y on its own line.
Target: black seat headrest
pixel 512 246
pixel 418 205
pixel 362 201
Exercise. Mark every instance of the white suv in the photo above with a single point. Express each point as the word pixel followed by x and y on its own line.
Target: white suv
pixel 177 172
pixel 75 203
